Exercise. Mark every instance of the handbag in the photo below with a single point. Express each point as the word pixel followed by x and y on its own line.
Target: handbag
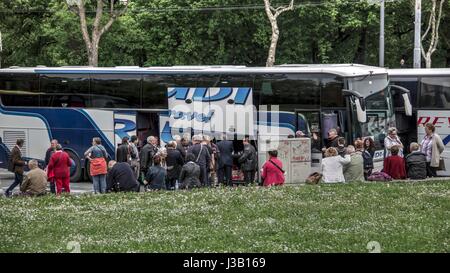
pixel 441 166
pixel 313 178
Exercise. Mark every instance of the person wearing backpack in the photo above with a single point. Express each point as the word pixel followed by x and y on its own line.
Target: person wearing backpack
pixel 97 156
pixel 272 171
pixel 202 158
pixel 16 165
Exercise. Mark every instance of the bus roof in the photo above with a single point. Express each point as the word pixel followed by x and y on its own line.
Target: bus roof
pixel 410 72
pixel 344 70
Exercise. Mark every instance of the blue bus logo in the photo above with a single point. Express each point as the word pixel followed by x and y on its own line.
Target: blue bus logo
pixel 201 94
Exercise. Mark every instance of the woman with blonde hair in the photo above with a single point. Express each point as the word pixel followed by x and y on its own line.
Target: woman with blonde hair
pixel 332 166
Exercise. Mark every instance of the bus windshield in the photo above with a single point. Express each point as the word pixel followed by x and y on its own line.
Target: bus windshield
pixel 379 108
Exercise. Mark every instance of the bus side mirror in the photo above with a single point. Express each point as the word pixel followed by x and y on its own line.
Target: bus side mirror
pixel 405 95
pixel 361 110
pixel 408 105
pixel 360 104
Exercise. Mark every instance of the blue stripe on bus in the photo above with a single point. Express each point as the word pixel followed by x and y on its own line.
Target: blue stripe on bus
pixel 446 140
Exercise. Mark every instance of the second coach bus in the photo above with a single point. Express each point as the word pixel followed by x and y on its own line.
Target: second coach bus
pixel 430 98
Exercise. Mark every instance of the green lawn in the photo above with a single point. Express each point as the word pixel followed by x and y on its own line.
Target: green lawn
pixel 401 217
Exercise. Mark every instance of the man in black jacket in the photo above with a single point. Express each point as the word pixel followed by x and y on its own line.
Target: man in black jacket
pixel 248 161
pixel 174 162
pixel 180 148
pixel 202 158
pixel 121 177
pixel 225 161
pixel 147 153
pixel 416 162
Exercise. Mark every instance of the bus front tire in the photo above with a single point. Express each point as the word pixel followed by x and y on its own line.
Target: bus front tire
pixel 76 175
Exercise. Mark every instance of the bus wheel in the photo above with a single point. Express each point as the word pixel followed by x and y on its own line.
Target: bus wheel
pixel 88 171
pixel 75 170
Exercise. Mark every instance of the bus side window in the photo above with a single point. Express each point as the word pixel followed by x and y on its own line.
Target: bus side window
pixel 19 89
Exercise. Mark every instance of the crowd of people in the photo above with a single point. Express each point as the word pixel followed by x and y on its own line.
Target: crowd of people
pixel 187 163
pixel 355 162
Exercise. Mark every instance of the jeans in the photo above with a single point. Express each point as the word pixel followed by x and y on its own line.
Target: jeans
pixel 99 182
pixel 18 178
pixel 204 176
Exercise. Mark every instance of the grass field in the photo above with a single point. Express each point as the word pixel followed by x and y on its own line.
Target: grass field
pixel 401 217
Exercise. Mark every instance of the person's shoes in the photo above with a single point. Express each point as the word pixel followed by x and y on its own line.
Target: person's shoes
pixel 7 194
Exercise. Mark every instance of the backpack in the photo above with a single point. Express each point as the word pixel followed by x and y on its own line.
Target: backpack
pixel 379 176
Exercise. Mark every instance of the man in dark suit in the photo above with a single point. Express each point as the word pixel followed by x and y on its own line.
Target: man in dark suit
pixel 202 158
pixel 225 160
pixel 16 165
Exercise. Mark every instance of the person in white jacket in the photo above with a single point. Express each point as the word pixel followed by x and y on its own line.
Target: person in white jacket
pixel 332 166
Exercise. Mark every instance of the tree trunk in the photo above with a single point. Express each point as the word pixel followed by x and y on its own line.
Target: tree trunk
pixel 428 60
pixel 273 45
pixel 360 54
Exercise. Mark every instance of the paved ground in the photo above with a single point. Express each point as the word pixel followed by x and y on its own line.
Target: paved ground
pixel 6 178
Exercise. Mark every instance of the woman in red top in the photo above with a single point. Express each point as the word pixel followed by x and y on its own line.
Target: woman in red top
pixel 272 171
pixel 394 165
pixel 59 166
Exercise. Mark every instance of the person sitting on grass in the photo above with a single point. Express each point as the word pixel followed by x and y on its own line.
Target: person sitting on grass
pixel 190 174
pixel 156 175
pixel 354 171
pixel 416 162
pixel 332 166
pixel 121 178
pixel 394 165
pixel 272 171
pixel 35 181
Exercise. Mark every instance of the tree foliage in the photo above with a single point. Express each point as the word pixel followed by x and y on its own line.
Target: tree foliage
pixel 195 32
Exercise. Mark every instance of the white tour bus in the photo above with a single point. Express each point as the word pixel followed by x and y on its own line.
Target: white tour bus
pixel 74 104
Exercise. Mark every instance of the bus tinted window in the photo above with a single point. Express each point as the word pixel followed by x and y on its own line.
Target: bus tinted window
pixel 116 91
pixel 435 92
pixel 154 91
pixel 62 90
pixel 291 91
pixel 332 92
pixel 411 85
pixel 19 89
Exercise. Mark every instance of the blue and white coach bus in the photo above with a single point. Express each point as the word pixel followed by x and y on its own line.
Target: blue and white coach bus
pixel 430 98
pixel 75 104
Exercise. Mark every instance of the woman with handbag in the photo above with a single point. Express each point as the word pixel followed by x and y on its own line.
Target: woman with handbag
pixel 97 156
pixel 432 146
pixel 272 170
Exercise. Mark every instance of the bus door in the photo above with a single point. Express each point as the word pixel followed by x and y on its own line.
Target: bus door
pixel 124 125
pixel 309 122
